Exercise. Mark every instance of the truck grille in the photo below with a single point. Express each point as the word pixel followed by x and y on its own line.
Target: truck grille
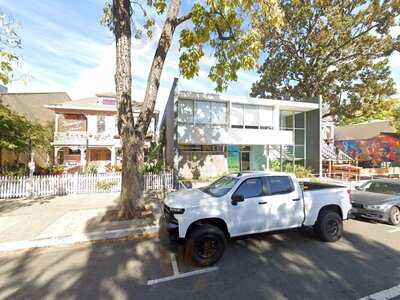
pixel 169 217
pixel 357 205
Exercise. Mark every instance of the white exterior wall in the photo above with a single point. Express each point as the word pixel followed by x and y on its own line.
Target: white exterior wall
pixel 204 135
pixel 111 124
pixel 91 123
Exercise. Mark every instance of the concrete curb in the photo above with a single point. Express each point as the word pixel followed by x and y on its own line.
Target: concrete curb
pixel 79 238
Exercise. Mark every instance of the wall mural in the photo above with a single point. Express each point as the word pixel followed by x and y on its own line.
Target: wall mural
pixel 385 147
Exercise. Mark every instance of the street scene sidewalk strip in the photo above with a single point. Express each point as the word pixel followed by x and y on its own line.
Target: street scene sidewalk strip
pixel 385 294
pixel 69 240
pixel 178 275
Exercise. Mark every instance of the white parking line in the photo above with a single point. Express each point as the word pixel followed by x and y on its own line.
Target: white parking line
pixel 178 275
pixel 394 230
pixel 384 295
pixel 174 264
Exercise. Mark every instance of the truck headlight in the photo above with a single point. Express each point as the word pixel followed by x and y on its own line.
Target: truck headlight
pixel 177 211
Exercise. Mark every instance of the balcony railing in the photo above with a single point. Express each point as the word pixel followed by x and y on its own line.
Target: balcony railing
pixel 84 137
pixel 81 138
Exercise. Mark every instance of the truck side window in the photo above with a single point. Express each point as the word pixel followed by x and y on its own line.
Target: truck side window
pixel 280 185
pixel 252 187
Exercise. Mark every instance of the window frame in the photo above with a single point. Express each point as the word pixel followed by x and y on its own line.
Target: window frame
pixel 262 189
pixel 101 123
pixel 293 188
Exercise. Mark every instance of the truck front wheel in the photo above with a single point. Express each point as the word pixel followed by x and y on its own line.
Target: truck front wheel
pixel 205 245
pixel 329 226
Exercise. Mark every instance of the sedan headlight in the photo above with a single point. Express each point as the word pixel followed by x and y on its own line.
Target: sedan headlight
pixel 376 207
pixel 175 211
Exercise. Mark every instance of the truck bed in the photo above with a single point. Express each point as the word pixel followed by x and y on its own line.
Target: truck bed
pixel 313 186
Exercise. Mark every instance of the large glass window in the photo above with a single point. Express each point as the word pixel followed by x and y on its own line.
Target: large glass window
pixel 71 122
pixel 286 120
pixel 295 122
pixel 266 117
pixel 237 115
pixel 218 113
pixel 252 187
pixel 203 112
pixel 185 111
pixel 299 120
pixel 101 123
pixel 251 116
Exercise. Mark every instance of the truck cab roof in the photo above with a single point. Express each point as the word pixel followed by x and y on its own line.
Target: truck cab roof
pixel 248 174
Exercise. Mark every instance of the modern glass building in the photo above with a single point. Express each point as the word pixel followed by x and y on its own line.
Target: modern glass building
pixel 208 135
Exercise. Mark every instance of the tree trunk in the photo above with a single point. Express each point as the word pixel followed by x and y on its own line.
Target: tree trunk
pixel 133 135
pixel 153 80
pixel 132 145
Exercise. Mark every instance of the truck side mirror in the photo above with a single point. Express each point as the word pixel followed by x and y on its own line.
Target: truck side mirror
pixel 236 199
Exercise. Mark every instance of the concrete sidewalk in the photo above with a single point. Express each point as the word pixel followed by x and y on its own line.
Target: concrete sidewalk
pixel 30 223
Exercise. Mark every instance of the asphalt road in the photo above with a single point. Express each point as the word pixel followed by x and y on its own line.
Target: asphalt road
pixel 284 265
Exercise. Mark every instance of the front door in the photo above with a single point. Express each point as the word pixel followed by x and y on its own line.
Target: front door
pixel 285 205
pixel 246 215
pixel 244 161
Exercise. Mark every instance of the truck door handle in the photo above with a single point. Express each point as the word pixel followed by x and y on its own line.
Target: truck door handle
pixel 296 199
pixel 262 202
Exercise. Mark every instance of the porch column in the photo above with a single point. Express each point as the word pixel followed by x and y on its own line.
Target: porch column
pixel 56 149
pixel 276 117
pixel 113 156
pixel 83 156
pixel 56 123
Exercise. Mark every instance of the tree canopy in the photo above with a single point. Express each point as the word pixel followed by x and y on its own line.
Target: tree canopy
pixel 9 41
pixel 336 49
pixel 18 134
pixel 230 31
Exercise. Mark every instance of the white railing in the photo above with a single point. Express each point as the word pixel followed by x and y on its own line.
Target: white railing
pixel 83 137
pixel 57 185
pixel 330 152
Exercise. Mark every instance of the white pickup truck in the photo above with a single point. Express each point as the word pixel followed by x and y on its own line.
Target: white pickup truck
pixel 242 204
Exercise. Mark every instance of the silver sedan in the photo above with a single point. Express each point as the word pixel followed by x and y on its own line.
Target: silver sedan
pixel 378 200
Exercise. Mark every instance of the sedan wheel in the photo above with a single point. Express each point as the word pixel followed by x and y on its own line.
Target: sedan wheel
pixel 394 216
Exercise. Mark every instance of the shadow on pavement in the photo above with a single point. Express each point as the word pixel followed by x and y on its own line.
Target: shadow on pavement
pixel 291 265
pixel 10 205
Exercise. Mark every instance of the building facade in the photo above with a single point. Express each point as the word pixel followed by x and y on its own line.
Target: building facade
pixel 86 132
pixel 373 144
pixel 208 135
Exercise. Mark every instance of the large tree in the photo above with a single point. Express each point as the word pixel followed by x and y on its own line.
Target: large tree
pixel 9 41
pixel 231 31
pixel 335 49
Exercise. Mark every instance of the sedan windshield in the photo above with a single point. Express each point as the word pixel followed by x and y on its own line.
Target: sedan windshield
pixel 220 187
pixel 381 187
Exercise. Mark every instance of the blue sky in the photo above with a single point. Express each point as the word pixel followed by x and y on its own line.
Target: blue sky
pixel 66 49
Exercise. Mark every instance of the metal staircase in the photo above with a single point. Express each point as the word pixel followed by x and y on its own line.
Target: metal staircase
pixel 332 153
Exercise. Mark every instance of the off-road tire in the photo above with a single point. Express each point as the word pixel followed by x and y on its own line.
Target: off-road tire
pixel 329 226
pixel 194 245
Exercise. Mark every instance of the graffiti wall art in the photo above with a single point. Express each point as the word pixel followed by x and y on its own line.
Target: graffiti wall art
pixel 385 147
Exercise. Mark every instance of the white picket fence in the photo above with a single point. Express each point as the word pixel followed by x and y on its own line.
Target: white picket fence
pixel 56 185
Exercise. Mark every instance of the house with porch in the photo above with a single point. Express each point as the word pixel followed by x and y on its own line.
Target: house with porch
pixel 86 132
pixel 208 135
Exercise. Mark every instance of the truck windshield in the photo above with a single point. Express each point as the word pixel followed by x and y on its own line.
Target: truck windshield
pixel 220 187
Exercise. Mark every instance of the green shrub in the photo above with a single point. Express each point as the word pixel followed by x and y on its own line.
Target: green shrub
pixel 91 169
pixel 55 170
pixel 16 170
pixel 105 185
pixel 299 171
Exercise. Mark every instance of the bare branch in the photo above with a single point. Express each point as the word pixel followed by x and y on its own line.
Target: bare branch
pixel 182 19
